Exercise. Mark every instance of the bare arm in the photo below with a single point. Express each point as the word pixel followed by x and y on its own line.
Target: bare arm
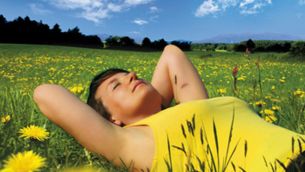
pixel 81 121
pixel 175 76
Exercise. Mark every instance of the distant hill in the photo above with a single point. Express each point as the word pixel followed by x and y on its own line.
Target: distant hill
pixel 228 38
pixel 236 38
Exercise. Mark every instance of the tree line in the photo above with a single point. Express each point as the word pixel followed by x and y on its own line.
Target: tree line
pixel 125 41
pixel 294 48
pixel 24 30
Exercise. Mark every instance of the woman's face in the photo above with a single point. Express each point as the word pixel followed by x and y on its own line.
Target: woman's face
pixel 127 98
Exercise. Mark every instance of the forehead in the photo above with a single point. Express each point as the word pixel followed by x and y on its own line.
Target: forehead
pixel 102 89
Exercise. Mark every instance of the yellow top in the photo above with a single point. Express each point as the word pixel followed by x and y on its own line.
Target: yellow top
pixel 195 135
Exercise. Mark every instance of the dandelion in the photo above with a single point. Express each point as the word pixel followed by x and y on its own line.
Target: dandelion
pixel 34 132
pixel 222 91
pixel 77 89
pixel 259 103
pixel 23 162
pixel 276 108
pixel 270 118
pixel 268 112
pixel 8 118
pixel 273 87
pixel 282 80
pixel 5 119
pixel 299 93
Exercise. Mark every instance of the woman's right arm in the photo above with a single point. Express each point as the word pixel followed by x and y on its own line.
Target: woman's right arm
pixel 176 77
pixel 81 121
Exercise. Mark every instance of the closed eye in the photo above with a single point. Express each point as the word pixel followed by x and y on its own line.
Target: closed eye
pixel 116 85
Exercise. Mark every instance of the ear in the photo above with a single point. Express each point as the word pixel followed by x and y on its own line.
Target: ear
pixel 115 121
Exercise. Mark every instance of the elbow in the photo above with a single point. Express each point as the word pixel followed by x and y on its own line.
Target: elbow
pixel 38 94
pixel 42 96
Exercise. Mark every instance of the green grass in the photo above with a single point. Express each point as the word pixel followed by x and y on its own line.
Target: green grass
pixel 24 67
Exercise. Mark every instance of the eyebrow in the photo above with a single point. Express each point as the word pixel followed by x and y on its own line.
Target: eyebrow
pixel 113 80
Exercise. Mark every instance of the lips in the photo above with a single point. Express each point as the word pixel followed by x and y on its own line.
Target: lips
pixel 137 84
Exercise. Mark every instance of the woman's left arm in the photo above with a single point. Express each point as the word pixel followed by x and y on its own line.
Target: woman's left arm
pixel 175 76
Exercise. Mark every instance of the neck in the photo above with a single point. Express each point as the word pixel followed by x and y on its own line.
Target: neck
pixel 143 114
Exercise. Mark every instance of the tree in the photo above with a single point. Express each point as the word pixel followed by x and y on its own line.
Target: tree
pixel 112 41
pixel 56 29
pixel 250 44
pixel 298 48
pixel 126 41
pixel 160 44
pixel 240 47
pixel 146 42
pixel 287 47
pixel 2 20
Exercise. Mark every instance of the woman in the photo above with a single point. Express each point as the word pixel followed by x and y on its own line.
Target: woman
pixel 195 135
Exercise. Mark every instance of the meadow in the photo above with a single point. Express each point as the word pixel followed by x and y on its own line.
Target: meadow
pixel 273 85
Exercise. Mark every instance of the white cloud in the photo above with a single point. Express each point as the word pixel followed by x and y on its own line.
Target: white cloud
pixel 153 18
pixel 246 2
pixel 96 10
pixel 140 22
pixel 154 9
pixel 302 2
pixel 206 8
pixel 114 7
pixel 245 6
pixel 39 9
pixel 137 2
pixel 253 6
pixel 227 3
pixel 135 32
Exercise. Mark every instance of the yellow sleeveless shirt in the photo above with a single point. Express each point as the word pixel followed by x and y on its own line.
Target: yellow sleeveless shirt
pixel 219 133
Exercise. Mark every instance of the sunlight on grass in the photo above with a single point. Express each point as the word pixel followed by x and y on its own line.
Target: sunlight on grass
pixel 24 67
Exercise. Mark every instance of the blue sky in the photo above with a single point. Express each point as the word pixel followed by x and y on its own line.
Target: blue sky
pixel 169 19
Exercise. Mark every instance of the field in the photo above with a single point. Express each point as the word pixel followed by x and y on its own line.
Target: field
pixel 279 96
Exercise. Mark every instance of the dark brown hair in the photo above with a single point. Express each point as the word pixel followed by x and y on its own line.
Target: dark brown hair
pixel 95 83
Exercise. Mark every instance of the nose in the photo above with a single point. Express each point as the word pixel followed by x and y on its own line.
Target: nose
pixel 131 76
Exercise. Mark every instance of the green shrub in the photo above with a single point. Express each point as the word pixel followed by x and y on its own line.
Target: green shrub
pixel 298 48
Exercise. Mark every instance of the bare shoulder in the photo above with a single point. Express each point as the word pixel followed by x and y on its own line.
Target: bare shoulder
pixel 88 127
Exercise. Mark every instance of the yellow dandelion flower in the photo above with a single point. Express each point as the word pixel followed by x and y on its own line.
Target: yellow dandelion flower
pixel 268 97
pixel 270 118
pixel 273 87
pixel 24 162
pixel 299 93
pixel 76 89
pixel 3 120
pixel 259 103
pixel 7 118
pixel 281 80
pixel 34 132
pixel 222 91
pixel 268 112
pixel 276 108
